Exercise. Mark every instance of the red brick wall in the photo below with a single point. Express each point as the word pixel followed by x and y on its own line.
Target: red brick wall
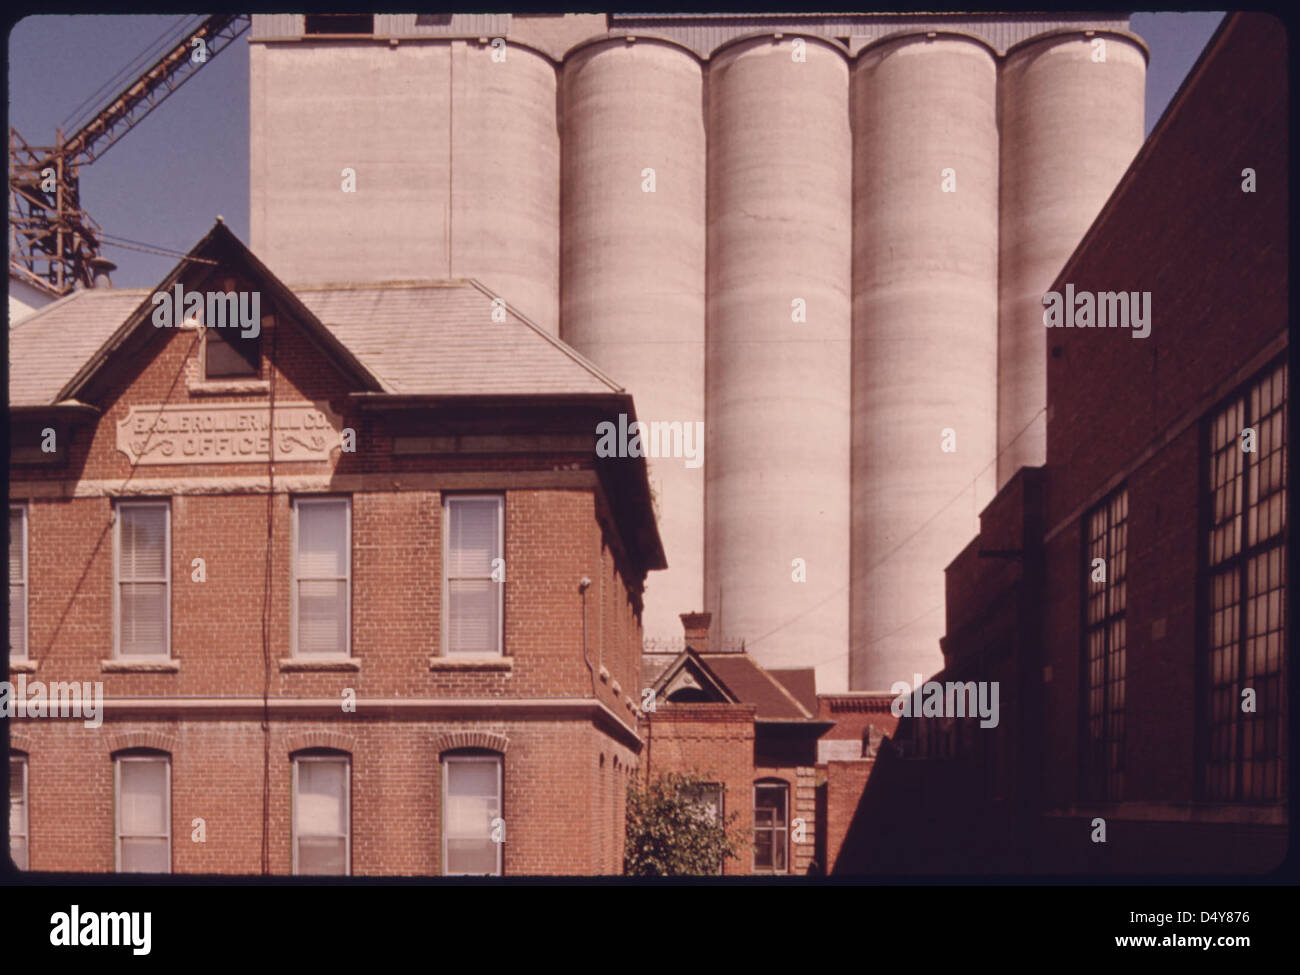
pixel 395 789
pixel 564 809
pixel 1215 261
pixel 845 783
pixel 717 742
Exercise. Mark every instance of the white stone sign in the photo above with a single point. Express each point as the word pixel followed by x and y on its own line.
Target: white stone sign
pixel 228 433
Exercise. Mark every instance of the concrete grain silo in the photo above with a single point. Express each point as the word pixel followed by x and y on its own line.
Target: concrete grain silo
pixel 798 279
pixel 505 175
pixel 778 377
pixel 633 269
pixel 456 159
pixel 1072 107
pixel 925 316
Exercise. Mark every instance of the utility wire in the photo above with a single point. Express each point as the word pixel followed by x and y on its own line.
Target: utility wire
pixel 112 240
pixel 152 52
pixel 893 551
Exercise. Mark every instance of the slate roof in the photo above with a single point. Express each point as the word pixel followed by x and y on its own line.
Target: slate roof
pixel 802 683
pixel 417 338
pixel 751 684
pixel 47 349
pixel 438 337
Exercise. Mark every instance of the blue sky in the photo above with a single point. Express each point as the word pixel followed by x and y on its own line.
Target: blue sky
pixel 165 182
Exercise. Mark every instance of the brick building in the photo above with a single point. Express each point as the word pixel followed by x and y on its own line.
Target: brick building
pixel 407 646
pixel 752 735
pixel 1129 597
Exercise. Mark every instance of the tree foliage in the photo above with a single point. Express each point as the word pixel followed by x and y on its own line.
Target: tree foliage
pixel 671 832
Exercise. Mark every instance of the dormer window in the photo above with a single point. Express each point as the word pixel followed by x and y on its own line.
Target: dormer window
pixel 227 354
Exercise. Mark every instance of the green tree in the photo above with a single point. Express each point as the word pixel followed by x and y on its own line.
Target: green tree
pixel 672 830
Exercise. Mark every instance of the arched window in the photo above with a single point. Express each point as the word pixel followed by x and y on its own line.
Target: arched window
pixel 322 813
pixel 142 790
pixel 473 824
pixel 688 695
pixel 771 826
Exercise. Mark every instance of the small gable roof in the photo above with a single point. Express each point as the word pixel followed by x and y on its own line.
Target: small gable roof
pixel 735 678
pixel 434 338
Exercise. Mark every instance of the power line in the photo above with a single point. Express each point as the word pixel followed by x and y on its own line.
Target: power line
pixel 151 51
pixel 112 240
pixel 892 552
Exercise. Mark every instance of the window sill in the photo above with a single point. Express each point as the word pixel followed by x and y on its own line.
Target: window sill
pixel 140 666
pixel 225 387
pixel 22 666
pixel 471 663
pixel 290 664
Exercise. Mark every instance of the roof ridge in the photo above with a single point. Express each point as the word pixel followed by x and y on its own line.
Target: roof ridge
pixel 581 360
pixel 770 679
pixel 786 691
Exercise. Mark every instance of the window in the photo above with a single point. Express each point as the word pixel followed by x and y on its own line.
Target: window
pixel 708 795
pixel 18 810
pixel 143 788
pixel 472 600
pixel 322 577
pixel 1245 594
pixel 228 354
pixel 1106 645
pixel 771 827
pixel 143 597
pixel 339 23
pixel 18 582
pixel 471 811
pixel 322 815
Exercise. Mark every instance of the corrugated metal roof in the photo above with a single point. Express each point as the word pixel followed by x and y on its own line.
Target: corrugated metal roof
pixel 432 338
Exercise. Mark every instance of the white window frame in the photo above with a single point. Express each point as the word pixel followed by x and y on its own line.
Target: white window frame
pixel 117 807
pixel 118 508
pixel 784 788
pixel 447 501
pixel 24 654
pixel 447 762
pixel 346 835
pixel 345 579
pixel 26 834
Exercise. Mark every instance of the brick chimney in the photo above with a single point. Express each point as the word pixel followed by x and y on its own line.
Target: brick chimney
pixel 697 630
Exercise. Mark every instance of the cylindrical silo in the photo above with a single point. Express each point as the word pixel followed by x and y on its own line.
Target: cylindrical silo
pixel 925 329
pixel 503 225
pixel 1072 120
pixel 778 363
pixel 633 272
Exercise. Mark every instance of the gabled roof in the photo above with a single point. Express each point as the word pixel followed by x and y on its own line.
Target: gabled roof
pixel 802 683
pixel 49 346
pixel 689 670
pixel 752 684
pixel 735 678
pixel 433 338
pixel 222 249
pixel 438 338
